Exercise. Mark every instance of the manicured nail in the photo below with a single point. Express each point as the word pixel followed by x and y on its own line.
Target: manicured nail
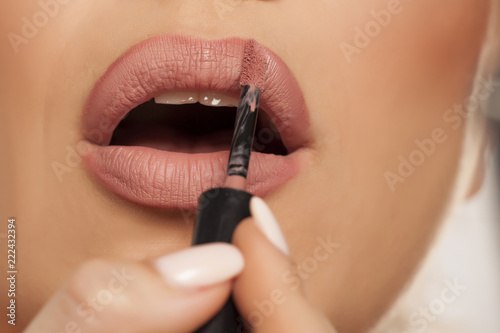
pixel 266 222
pixel 201 265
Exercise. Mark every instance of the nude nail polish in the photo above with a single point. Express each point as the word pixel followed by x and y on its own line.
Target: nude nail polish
pixel 200 266
pixel 267 223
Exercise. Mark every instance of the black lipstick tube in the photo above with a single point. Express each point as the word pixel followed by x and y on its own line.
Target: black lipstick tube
pixel 220 210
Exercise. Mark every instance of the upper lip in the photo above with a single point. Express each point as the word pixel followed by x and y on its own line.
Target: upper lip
pixel 164 179
pixel 178 63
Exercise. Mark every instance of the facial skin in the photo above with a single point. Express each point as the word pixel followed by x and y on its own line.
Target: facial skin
pixel 364 114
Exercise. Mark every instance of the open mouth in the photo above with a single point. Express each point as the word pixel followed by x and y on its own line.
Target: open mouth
pixel 159 123
pixel 192 122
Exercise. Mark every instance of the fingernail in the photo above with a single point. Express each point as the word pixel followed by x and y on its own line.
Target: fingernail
pixel 266 222
pixel 200 266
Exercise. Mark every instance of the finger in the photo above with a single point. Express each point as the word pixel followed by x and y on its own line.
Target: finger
pixel 268 293
pixel 176 293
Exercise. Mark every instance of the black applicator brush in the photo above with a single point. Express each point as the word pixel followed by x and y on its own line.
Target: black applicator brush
pixel 220 210
pixel 252 77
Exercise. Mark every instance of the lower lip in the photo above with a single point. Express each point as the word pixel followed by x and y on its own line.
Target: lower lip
pixel 169 180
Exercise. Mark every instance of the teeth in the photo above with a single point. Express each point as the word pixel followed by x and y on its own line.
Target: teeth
pixel 190 97
pixel 177 98
pixel 217 99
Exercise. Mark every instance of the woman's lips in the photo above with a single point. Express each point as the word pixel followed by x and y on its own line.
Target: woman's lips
pixel 175 63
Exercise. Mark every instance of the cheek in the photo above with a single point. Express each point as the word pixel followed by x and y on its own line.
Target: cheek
pixel 366 114
pixel 399 89
pixel 396 89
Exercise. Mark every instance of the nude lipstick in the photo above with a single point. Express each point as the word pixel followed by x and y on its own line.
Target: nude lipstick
pixel 165 179
pixel 221 209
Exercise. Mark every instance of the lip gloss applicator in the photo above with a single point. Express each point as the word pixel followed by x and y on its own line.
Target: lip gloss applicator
pixel 221 209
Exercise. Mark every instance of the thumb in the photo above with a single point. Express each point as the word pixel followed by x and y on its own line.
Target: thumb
pixel 269 294
pixel 175 293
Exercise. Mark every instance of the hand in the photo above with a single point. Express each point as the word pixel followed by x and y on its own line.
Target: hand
pixel 264 298
pixel 181 291
pixel 176 293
